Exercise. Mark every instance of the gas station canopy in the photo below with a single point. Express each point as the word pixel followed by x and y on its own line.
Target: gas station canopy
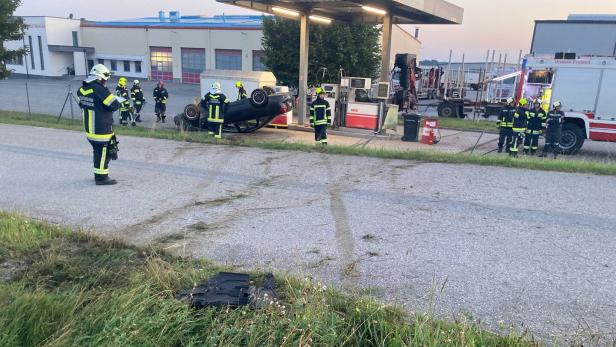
pixel 384 12
pixel 354 11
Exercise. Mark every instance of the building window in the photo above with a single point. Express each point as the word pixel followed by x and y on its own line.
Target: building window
pixel 75 39
pixel 31 51
pixel 40 44
pixel 114 65
pixel 90 64
pixel 126 65
pixel 228 59
pixel 257 61
pixel 161 63
pixel 138 66
pixel 19 60
pixel 101 61
pixel 193 64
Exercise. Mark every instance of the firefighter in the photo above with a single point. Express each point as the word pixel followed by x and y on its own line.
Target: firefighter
pixel 136 94
pixel 320 117
pixel 534 128
pixel 504 123
pixel 241 92
pixel 160 98
pixel 554 123
pixel 518 127
pixel 125 111
pixel 215 102
pixel 97 104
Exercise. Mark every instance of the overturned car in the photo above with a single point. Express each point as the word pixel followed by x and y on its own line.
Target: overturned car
pixel 242 116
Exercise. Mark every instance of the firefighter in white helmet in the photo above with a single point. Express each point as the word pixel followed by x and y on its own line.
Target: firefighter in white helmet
pixel 553 131
pixel 215 104
pixel 98 104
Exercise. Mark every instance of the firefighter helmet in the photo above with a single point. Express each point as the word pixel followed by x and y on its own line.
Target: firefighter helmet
pixel 319 90
pixel 100 71
pixel 537 101
pixel 510 100
pixel 136 82
pixel 238 84
pixel 215 85
pixel 557 104
pixel 523 102
pixel 122 82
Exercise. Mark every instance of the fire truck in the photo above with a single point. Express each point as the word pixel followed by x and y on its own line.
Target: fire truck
pixel 586 86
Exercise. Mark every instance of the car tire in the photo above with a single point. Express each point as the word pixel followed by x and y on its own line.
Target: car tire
pixel 192 112
pixel 259 98
pixel 571 139
pixel 447 110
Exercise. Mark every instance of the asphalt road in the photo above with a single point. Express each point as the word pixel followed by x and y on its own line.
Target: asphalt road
pixel 510 247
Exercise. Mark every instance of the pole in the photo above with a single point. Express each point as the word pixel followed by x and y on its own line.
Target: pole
pixel 462 78
pixel 303 68
pixel 70 93
pixel 28 98
pixel 447 75
pixel 386 47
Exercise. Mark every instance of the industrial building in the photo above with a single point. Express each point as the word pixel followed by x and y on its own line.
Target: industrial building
pixel 167 46
pixel 579 34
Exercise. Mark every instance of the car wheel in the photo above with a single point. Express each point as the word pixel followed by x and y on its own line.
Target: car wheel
pixel 447 110
pixel 191 112
pixel 258 98
pixel 571 139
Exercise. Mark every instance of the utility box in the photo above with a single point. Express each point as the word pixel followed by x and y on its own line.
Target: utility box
pixel 411 127
pixel 250 79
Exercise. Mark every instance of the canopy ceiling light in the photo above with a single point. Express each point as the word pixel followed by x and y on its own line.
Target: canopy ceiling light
pixel 374 10
pixel 285 11
pixel 320 19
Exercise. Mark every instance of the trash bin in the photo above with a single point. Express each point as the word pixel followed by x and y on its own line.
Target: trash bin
pixel 411 127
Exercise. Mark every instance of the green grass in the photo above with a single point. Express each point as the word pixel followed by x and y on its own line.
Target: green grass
pixel 74 289
pixel 562 165
pixel 469 124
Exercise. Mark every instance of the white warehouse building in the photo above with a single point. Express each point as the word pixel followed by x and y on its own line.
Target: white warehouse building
pixel 167 47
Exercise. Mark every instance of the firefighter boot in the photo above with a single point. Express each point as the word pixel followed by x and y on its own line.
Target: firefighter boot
pixel 163 117
pixel 500 149
pixel 138 117
pixel 157 118
pixel 533 152
pixel 104 180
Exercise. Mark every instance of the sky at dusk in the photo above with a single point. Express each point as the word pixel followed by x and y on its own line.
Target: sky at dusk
pixel 506 26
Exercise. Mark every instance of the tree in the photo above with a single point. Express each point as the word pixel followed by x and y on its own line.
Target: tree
pixel 11 29
pixel 353 47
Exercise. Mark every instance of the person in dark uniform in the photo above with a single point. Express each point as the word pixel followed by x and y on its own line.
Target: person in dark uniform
pixel 504 124
pixel 534 127
pixel 98 104
pixel 215 103
pixel 125 111
pixel 554 123
pixel 160 101
pixel 136 94
pixel 241 92
pixel 518 127
pixel 320 117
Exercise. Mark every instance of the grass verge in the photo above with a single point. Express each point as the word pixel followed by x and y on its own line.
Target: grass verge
pixel 468 124
pixel 562 165
pixel 71 289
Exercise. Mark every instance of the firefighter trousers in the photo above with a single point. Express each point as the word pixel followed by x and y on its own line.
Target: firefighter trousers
pixel 126 117
pixel 516 141
pixel 215 128
pixel 320 133
pixel 552 143
pixel 504 138
pixel 100 159
pixel 160 109
pixel 531 142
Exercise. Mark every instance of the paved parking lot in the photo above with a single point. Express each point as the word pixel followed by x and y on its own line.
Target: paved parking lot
pixel 507 246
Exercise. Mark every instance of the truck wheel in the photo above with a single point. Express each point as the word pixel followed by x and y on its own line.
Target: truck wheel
pixel 447 110
pixel 572 138
pixel 258 98
pixel 191 112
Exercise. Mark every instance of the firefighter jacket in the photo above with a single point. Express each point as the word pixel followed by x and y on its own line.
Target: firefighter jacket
pixel 505 118
pixel 216 105
pixel 123 92
pixel 136 94
pixel 241 93
pixel 536 121
pixel 554 121
pixel 160 95
pixel 520 118
pixel 97 104
pixel 320 112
